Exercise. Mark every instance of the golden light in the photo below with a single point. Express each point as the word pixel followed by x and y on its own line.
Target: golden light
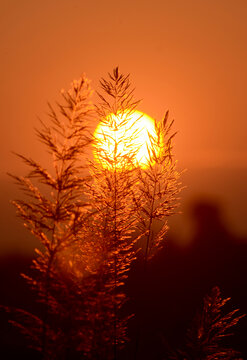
pixel 124 135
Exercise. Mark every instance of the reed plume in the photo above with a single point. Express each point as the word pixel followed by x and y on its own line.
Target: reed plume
pixel 206 337
pixel 88 217
pixel 55 216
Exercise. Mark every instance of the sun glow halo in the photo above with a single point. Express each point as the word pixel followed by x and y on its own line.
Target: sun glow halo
pixel 134 132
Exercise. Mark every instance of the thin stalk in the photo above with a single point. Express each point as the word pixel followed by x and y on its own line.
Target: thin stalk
pixel 115 106
pixel 150 227
pixel 115 255
pixel 138 336
pixel 52 254
pixel 48 278
pixel 47 285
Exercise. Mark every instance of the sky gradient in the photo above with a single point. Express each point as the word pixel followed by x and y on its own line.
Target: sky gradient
pixel 186 56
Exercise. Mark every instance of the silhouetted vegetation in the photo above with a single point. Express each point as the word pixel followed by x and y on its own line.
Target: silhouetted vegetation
pixel 205 337
pixel 89 219
pixel 176 282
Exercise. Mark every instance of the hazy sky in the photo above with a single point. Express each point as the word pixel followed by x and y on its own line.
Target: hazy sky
pixel 188 56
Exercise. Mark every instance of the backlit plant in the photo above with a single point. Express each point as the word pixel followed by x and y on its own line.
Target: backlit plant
pixel 91 215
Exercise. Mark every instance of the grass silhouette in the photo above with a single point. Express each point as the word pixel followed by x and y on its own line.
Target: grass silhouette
pixel 90 220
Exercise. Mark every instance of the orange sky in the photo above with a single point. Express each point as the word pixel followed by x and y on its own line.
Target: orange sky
pixel 188 56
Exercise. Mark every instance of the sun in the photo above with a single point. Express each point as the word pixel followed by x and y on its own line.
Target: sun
pixel 124 136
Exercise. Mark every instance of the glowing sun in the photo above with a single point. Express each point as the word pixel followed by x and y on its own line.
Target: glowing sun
pixel 126 135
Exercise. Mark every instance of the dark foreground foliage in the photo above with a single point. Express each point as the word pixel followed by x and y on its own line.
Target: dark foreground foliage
pixel 88 217
pixel 206 338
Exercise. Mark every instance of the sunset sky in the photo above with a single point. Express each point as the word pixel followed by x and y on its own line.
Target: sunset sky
pixel 186 56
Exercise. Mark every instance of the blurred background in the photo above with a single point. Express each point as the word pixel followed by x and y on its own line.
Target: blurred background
pixel 186 56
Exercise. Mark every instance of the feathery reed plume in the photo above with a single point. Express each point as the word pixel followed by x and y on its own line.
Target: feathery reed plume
pixel 56 216
pixel 111 194
pixel 205 337
pixel 156 198
pixel 158 189
pixel 88 223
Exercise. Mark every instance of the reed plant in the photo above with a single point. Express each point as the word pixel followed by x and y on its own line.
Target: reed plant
pixel 89 216
pixel 208 335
